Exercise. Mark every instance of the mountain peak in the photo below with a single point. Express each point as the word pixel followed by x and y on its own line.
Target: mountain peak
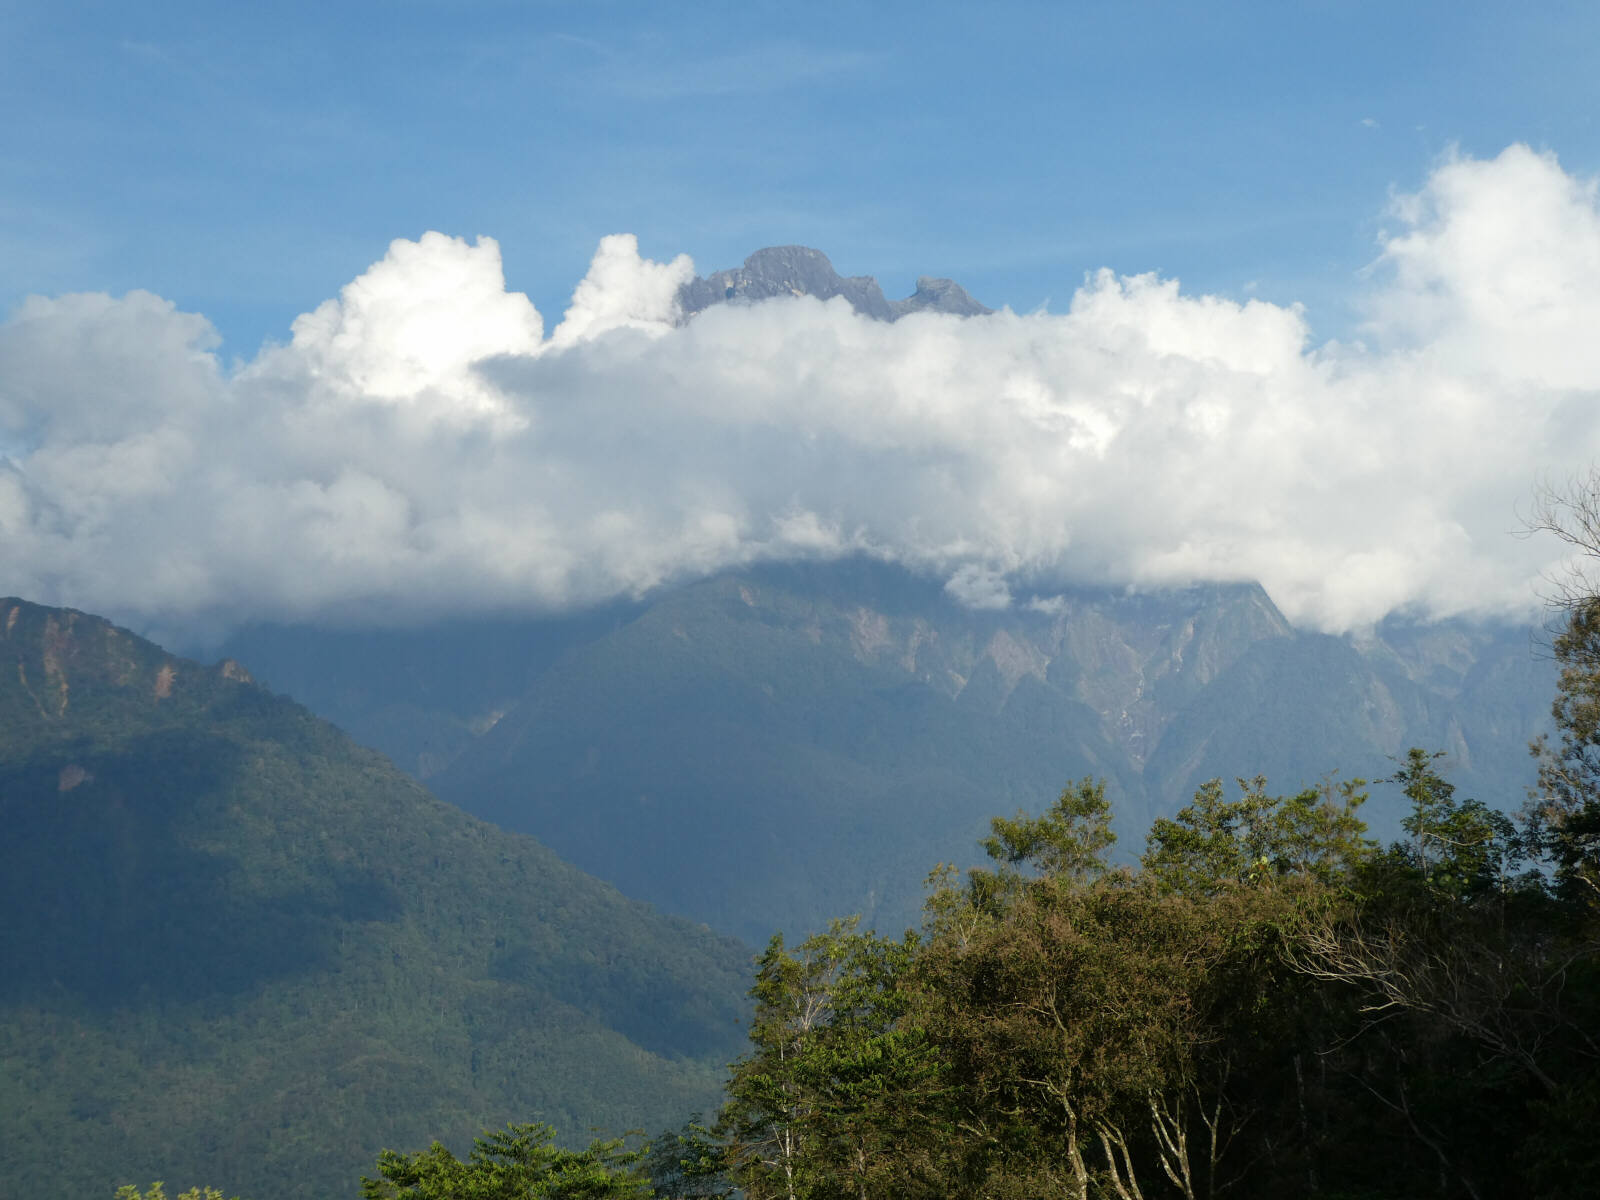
pixel 56 660
pixel 940 295
pixel 803 271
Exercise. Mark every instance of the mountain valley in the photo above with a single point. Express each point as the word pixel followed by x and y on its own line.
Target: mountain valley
pixel 775 747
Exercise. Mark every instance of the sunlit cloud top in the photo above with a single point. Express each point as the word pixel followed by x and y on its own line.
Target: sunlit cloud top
pixel 422 445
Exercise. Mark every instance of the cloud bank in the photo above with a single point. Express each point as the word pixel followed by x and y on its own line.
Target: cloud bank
pixel 420 446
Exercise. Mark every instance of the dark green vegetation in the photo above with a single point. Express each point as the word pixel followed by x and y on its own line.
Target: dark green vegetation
pixel 767 749
pixel 521 1162
pixel 238 948
pixel 1267 1006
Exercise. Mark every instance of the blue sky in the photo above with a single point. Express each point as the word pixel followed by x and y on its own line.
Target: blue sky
pixel 245 161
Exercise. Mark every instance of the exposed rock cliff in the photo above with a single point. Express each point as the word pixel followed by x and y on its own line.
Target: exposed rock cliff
pixel 802 271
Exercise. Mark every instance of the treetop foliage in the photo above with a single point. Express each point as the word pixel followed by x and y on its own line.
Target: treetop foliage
pixel 1268 1004
pixel 520 1162
pixel 1214 843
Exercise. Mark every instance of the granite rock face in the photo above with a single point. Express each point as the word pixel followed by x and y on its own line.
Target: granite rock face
pixel 939 295
pixel 801 271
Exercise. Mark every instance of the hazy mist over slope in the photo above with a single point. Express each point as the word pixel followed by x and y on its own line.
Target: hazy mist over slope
pixel 775 746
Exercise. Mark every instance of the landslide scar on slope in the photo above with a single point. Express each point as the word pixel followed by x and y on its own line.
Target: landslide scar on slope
pixel 56 647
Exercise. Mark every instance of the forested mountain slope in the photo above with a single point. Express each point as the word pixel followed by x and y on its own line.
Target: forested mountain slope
pixel 773 747
pixel 236 947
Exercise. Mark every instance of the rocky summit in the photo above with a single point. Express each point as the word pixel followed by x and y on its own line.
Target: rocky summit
pixel 801 271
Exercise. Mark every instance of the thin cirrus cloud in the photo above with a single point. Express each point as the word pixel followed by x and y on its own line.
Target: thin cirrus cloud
pixel 422 446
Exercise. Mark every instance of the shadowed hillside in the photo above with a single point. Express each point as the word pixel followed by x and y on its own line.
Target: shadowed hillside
pixel 771 747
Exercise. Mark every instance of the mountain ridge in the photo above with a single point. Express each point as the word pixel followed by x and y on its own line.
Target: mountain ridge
pixel 238 947
pixel 771 747
pixel 779 271
pixel 838 742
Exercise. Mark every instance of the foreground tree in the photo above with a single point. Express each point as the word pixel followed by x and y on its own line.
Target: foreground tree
pixel 1267 1005
pixel 1125 1033
pixel 1214 845
pixel 824 1104
pixel 1567 801
pixel 688 1163
pixel 520 1162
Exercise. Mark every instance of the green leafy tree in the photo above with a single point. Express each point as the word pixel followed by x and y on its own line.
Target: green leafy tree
pixel 1068 841
pixel 689 1163
pixel 1096 1036
pixel 1567 803
pixel 157 1191
pixel 520 1162
pixel 1459 848
pixel 823 1104
pixel 1094 1023
pixel 1213 843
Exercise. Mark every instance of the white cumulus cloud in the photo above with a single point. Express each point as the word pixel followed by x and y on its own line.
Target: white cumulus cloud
pixel 419 446
pixel 408 332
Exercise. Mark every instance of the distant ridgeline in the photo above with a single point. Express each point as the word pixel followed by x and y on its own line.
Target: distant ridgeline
pixel 236 947
pixel 773 747
pixel 780 271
